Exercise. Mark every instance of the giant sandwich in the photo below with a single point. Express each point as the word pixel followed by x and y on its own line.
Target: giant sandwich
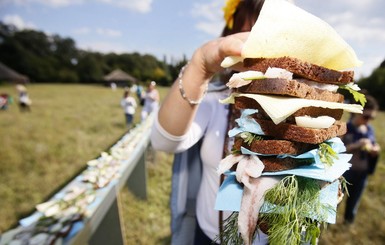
pixel 284 172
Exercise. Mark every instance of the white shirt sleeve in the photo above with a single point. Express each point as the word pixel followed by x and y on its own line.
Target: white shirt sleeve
pixel 164 141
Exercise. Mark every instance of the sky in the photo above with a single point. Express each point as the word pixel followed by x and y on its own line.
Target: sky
pixel 172 29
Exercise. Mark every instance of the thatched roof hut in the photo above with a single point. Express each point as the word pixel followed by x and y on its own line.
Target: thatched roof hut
pixel 10 75
pixel 120 78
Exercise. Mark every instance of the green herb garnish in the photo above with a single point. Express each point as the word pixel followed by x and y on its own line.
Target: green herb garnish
pixel 235 151
pixel 358 97
pixel 290 203
pixel 327 154
pixel 230 233
pixel 254 78
pixel 250 137
pixel 344 184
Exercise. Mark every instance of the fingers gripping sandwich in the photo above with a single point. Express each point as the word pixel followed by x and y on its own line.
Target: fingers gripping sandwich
pixel 283 175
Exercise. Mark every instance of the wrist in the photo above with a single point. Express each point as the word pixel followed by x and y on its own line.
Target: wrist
pixel 196 92
pixel 199 64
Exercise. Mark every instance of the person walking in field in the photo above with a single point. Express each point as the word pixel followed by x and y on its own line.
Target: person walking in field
pixel 129 105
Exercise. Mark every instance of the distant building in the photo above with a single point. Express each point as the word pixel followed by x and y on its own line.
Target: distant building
pixel 120 78
pixel 9 75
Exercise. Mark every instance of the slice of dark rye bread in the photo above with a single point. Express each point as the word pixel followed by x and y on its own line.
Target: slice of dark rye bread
pixel 274 164
pixel 294 88
pixel 274 147
pixel 296 133
pixel 312 111
pixel 300 68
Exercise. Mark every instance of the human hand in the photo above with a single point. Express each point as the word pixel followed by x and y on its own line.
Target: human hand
pixel 365 144
pixel 375 150
pixel 209 56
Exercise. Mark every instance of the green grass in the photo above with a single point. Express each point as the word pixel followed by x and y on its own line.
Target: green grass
pixel 369 225
pixel 42 149
pixel 148 221
pixel 71 124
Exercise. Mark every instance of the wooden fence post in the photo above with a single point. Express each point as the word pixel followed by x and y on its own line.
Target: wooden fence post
pixel 137 183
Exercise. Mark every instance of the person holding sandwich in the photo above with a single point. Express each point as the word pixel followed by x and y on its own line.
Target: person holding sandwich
pixel 191 119
pixel 274 134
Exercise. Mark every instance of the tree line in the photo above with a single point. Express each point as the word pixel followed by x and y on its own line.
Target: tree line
pixel 375 84
pixel 52 58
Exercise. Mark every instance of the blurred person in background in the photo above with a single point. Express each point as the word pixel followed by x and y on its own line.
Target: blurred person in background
pixel 24 101
pixel 360 141
pixel 133 88
pixel 151 100
pixel 5 100
pixel 113 86
pixel 129 105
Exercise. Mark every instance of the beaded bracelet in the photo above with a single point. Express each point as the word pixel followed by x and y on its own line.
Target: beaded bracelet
pixel 183 93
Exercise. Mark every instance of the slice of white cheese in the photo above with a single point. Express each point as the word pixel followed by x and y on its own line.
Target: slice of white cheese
pixel 279 107
pixel 314 122
pixel 283 29
pixel 230 61
pixel 243 78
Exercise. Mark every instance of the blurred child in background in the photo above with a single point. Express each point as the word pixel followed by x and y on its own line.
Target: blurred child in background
pixel 129 105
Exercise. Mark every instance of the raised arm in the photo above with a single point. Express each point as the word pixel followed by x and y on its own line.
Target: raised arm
pixel 176 113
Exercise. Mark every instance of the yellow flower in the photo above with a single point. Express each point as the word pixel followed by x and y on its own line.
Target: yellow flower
pixel 229 10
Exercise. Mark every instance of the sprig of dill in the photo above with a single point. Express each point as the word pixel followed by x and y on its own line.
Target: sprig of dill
pixel 250 137
pixel 235 151
pixel 230 233
pixel 290 203
pixel 327 154
pixel 344 184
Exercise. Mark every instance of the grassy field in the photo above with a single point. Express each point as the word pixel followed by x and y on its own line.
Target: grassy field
pixel 71 124
pixel 148 221
pixel 42 149
pixel 369 226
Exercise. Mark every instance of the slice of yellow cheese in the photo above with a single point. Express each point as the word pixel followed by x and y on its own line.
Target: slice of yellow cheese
pixel 279 107
pixel 283 29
